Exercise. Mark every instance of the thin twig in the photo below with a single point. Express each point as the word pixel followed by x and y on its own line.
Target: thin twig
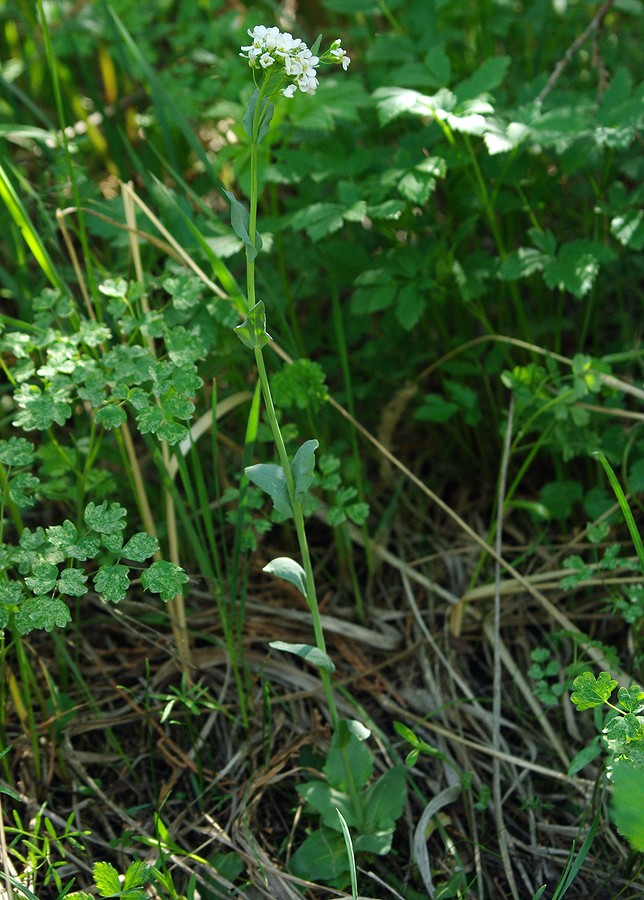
pixel 594 25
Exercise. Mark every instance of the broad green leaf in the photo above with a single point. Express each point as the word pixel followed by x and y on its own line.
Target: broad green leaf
pixel 42 612
pixel 140 547
pixel 374 842
pixel 105 518
pixel 113 542
pixel 113 582
pixel 385 800
pixel 559 497
pixel 137 874
pixel 576 266
pixel 265 116
pixel 590 691
pixel 325 800
pixel 621 731
pixel 628 803
pixel 302 467
pixel 322 857
pixel 164 578
pixel 72 583
pixel 435 408
pixel 271 479
pixel 184 348
pixel 311 654
pixel 252 331
pixel 11 593
pixel 345 750
pixel 16 452
pixel 319 219
pixel 291 571
pixel 106 878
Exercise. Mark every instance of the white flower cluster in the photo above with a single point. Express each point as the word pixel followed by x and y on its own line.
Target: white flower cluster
pixel 276 50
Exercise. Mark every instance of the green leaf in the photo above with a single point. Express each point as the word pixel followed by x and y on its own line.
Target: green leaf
pixel 43 578
pixel 110 417
pixel 271 479
pixel 137 874
pixel 104 518
pixel 584 757
pixel 631 699
pixel 590 691
pixel 490 74
pixel 16 452
pixel 325 800
pixel 106 878
pixel 240 221
pixel 435 408
pixel 252 331
pixel 576 266
pixel 11 593
pixel 41 612
pixel 302 467
pixel 22 488
pixel 322 857
pixel 345 750
pixel 39 411
pixel 559 497
pixel 164 578
pixel 628 803
pixel 140 547
pixel 113 582
pixel 265 116
pixel 72 583
pixel 289 570
pixel 318 219
pixel 385 800
pixel 312 655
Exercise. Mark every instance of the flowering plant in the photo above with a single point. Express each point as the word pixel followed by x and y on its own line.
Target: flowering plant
pixel 289 58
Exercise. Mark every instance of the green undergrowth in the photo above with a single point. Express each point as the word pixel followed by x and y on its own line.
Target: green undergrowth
pixel 433 266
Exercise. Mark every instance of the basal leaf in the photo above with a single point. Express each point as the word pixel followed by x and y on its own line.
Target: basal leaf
pixel 41 612
pixel 385 800
pixel 325 800
pixel 322 857
pixel 312 655
pixel 106 878
pixel 346 746
pixel 271 479
pixel 590 691
pixel 164 578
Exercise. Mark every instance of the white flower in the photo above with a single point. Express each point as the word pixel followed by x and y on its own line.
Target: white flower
pixel 289 56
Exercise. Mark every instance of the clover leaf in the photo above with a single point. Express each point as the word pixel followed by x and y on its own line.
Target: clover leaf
pixel 104 518
pixel 164 578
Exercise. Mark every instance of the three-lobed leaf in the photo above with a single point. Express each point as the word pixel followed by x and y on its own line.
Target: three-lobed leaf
pixel 590 691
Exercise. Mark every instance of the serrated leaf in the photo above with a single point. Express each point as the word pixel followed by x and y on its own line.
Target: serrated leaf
pixel 312 655
pixel 271 479
pixel 113 582
pixel 252 331
pixel 291 571
pixel 164 578
pixel 302 467
pixel 141 546
pixel 137 874
pixel 42 612
pixel 104 518
pixel 106 878
pixel 590 691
